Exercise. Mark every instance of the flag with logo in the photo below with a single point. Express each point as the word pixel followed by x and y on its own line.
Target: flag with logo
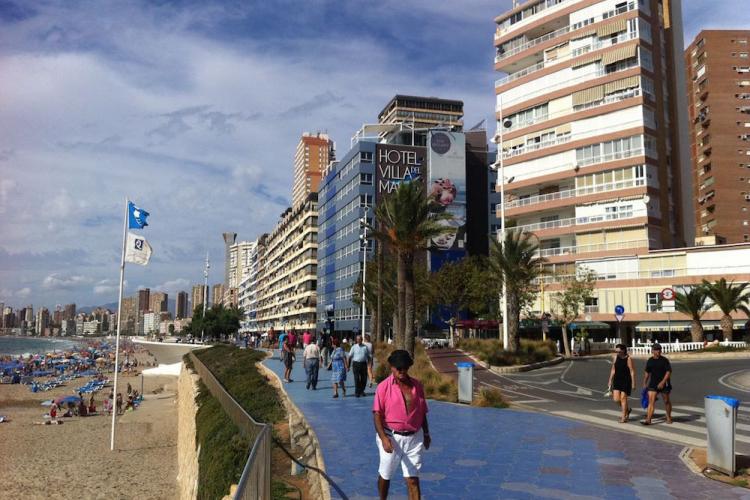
pixel 136 217
pixel 137 251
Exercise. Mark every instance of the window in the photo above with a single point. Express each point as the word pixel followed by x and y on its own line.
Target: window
pixel 365 156
pixel 366 179
pixel 591 305
pixel 652 302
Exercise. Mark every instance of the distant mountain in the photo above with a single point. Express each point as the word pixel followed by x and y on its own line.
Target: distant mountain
pixel 112 306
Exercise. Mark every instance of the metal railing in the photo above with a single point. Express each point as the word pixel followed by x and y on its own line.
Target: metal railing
pixel 577 221
pixel 597 247
pixel 576 192
pixel 255 482
pixel 607 42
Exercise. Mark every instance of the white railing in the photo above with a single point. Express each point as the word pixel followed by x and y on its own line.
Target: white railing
pixel 608 100
pixel 598 247
pixel 622 37
pixel 575 192
pixel 532 43
pixel 578 221
pixel 521 73
pixel 543 5
pixel 645 349
pixel 536 146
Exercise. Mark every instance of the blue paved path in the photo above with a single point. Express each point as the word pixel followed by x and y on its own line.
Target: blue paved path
pixel 485 453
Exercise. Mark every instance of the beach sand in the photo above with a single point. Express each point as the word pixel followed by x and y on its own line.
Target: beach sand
pixel 73 460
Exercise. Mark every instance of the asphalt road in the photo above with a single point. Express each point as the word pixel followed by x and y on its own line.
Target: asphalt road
pixel 575 389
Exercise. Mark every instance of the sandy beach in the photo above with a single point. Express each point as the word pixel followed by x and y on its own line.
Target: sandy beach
pixel 73 460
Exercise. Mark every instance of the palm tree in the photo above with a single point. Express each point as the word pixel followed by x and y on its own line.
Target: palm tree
pixel 693 303
pixel 729 298
pixel 518 265
pixel 406 221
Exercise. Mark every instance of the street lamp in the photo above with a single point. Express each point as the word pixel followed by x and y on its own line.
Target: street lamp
pixel 205 296
pixel 363 238
pixel 498 165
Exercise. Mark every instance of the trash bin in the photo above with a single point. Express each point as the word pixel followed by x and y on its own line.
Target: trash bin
pixel 721 421
pixel 465 382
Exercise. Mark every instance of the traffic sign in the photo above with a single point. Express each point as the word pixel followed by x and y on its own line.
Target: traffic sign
pixel 619 312
pixel 667 294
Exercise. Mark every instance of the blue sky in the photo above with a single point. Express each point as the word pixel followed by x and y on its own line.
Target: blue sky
pixel 194 108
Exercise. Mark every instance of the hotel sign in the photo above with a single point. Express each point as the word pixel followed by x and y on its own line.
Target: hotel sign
pixel 396 164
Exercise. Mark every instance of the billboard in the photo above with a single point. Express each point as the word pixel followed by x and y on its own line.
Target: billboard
pixel 447 185
pixel 396 164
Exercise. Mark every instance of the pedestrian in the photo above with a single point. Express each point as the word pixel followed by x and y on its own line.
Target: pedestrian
pixel 340 365
pixel 287 355
pixel 400 415
pixel 658 380
pixel 359 359
pixel 282 340
pixel 306 338
pixel 311 360
pixel 324 342
pixel 118 403
pixel 293 339
pixel 368 343
pixel 622 380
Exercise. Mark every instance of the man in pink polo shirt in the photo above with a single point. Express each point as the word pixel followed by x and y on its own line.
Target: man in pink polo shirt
pixel 400 414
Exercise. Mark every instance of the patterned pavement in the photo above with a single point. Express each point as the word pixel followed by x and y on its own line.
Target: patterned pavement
pixel 485 453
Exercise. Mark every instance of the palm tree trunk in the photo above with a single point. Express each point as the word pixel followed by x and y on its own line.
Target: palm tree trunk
pixel 727 325
pixel 410 305
pixel 378 332
pixel 399 336
pixel 696 331
pixel 514 315
pixel 566 343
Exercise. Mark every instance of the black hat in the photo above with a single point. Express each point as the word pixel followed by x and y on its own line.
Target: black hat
pixel 656 347
pixel 400 359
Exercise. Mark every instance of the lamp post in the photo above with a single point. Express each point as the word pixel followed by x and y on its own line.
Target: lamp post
pixel 205 296
pixel 363 238
pixel 504 123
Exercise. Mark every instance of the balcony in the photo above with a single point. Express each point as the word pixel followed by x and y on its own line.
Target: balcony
pixel 616 155
pixel 574 193
pixel 528 148
pixel 578 221
pixel 608 42
pixel 539 8
pixel 599 247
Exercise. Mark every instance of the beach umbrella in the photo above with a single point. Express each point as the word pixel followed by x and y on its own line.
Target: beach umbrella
pixel 67 399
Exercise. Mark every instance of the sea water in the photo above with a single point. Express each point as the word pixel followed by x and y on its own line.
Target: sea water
pixel 22 345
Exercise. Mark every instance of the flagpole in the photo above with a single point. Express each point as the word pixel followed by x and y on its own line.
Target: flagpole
pixel 119 324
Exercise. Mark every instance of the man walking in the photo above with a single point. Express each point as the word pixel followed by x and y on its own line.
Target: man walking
pixel 658 380
pixel 311 359
pixel 400 415
pixel 359 358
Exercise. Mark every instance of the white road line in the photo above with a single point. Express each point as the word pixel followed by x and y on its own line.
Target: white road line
pixel 588 389
pixel 698 429
pixel 512 392
pixel 698 409
pixel 731 385
pixel 549 390
pixel 636 428
pixel 533 401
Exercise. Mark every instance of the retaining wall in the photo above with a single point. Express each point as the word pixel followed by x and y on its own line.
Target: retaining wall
pixel 187 450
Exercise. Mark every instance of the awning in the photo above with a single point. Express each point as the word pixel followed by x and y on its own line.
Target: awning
pixel 623 84
pixel 683 326
pixel 583 33
pixel 592 94
pixel 619 54
pixel 611 28
pixel 563 129
pixel 586 60
pixel 590 325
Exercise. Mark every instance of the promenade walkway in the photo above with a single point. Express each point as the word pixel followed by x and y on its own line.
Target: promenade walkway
pixel 491 453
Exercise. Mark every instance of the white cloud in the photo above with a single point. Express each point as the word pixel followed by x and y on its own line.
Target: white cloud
pixel 56 281
pixel 23 293
pixel 173 286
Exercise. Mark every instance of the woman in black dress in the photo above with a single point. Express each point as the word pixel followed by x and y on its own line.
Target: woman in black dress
pixel 622 380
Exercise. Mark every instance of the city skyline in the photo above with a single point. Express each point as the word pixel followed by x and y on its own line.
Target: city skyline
pixel 198 122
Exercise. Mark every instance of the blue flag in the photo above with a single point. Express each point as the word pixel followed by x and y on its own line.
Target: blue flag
pixel 136 217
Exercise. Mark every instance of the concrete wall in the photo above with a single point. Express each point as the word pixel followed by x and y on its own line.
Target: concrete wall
pixel 187 450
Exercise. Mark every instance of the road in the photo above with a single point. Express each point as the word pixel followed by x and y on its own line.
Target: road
pixel 575 389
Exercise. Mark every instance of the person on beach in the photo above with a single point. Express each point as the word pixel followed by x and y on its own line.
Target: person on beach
pixel 311 360
pixel 53 411
pixel 400 417
pixel 622 380
pixel 130 389
pixel 118 403
pixel 287 355
pixel 340 365
pixel 368 343
pixel 658 380
pixel 359 360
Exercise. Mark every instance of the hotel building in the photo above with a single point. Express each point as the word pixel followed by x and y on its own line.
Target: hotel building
pixel 592 127
pixel 718 89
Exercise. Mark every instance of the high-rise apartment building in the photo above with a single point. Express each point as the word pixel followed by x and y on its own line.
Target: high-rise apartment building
pixel 218 294
pixel 287 270
pixel 130 314
pixel 423 112
pixel 592 126
pixel 200 294
pixel 248 287
pixel 158 302
pixel 70 311
pixel 311 158
pixel 144 300
pixel 229 239
pixel 42 321
pixel 240 261
pixel 181 306
pixel 718 89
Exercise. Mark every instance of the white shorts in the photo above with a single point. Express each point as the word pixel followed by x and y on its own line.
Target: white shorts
pixel 407 451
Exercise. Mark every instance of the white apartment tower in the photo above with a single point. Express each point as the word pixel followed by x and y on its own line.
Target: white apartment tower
pixel 591 126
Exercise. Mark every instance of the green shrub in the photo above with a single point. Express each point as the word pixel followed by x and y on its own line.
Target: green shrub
pixel 490 397
pixel 436 385
pixel 491 351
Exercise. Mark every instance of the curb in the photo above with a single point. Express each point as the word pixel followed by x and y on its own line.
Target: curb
pixel 502 370
pixel 689 463
pixel 323 484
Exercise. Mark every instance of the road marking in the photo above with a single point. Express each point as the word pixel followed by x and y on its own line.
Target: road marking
pixel 588 390
pixel 639 429
pixel 732 385
pixel 533 401
pixel 503 389
pixel 537 382
pixel 702 410
pixel 698 429
pixel 573 395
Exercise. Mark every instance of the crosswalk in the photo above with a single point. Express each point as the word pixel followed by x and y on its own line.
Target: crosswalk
pixel 688 427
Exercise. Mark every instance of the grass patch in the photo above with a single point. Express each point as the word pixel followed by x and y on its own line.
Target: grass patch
pixel 491 351
pixel 436 385
pixel 279 490
pixel 223 449
pixel 490 397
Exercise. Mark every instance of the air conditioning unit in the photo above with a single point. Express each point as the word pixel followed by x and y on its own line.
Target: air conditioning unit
pixel 747 197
